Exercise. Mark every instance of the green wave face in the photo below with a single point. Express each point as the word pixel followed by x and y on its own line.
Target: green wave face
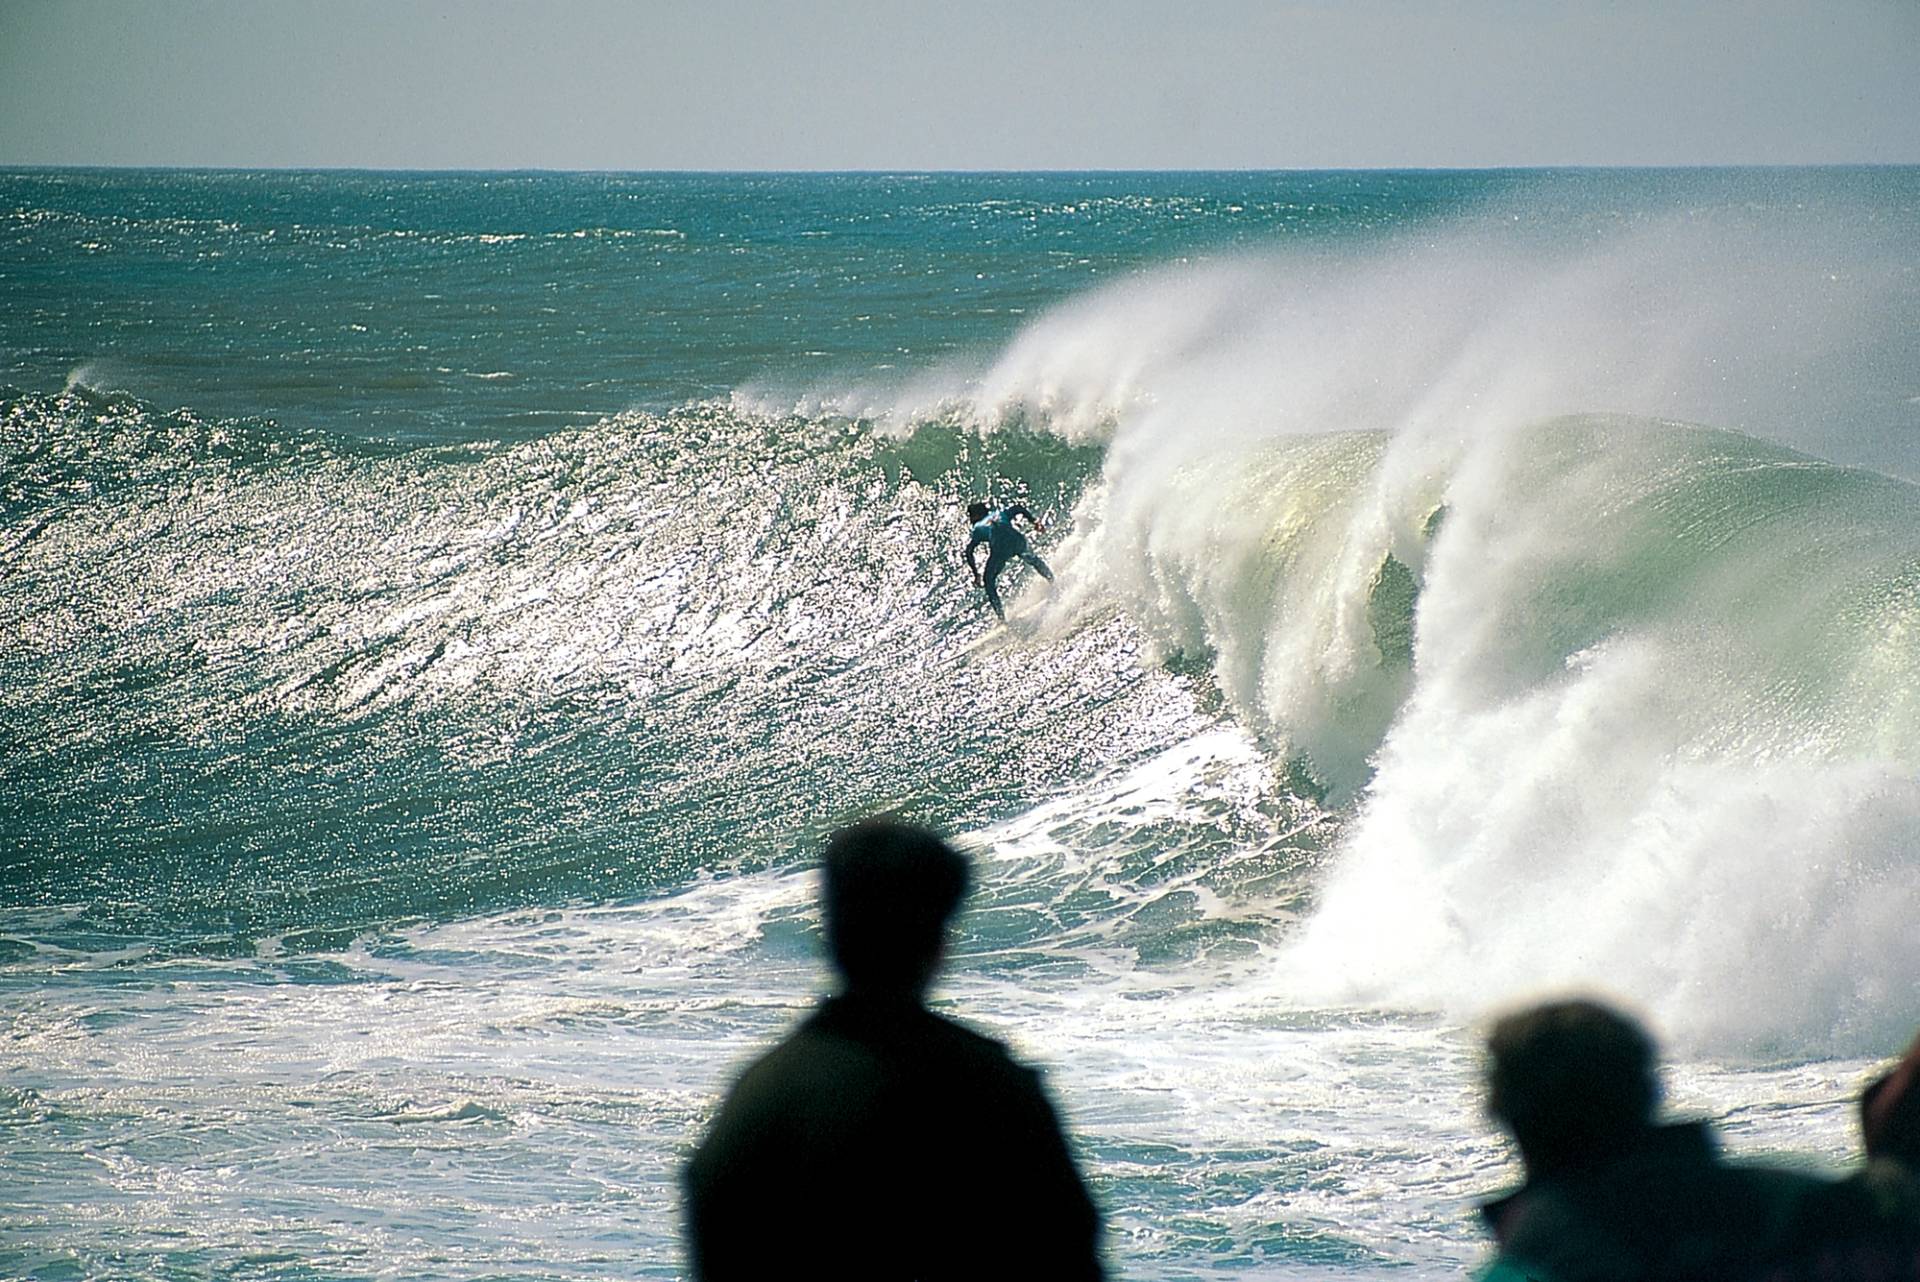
pixel 260 687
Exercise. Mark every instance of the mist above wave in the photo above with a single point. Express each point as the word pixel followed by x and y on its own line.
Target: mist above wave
pixel 1616 700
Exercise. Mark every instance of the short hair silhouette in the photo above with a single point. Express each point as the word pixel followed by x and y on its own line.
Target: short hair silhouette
pixel 1572 1081
pixel 890 889
pixel 977 511
pixel 1612 1196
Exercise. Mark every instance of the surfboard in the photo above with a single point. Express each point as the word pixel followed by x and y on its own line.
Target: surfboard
pixel 1023 622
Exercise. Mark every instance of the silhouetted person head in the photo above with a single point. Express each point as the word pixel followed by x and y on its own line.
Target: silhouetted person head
pixel 890 889
pixel 977 511
pixel 1572 1081
pixel 1890 1111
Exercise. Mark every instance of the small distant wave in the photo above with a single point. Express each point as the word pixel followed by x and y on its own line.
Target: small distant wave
pixel 97 231
pixel 445 1114
pixel 578 233
pixel 93 378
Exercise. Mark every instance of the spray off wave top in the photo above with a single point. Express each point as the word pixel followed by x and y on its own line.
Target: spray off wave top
pixel 1547 560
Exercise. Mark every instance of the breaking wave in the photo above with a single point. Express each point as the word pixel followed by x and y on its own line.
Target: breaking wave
pixel 1611 698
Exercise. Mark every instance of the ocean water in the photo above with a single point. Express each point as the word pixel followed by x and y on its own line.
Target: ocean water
pixel 439 614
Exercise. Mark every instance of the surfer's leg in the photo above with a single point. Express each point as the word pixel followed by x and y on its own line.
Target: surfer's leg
pixel 991 581
pixel 1038 565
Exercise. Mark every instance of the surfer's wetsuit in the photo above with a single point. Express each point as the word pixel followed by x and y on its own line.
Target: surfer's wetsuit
pixel 1004 542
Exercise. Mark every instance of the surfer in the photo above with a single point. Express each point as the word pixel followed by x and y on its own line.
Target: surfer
pixel 995 528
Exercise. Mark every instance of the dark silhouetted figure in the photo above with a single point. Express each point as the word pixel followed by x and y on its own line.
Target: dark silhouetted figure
pixel 881 1140
pixel 1890 1113
pixel 996 529
pixel 1866 1227
pixel 1610 1196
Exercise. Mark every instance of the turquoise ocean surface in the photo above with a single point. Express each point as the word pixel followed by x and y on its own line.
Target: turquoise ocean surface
pixel 439 614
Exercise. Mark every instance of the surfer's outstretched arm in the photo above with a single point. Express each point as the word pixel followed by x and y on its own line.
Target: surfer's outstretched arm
pixel 971 563
pixel 1021 509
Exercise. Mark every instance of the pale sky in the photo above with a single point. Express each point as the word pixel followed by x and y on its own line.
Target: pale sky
pixel 958 84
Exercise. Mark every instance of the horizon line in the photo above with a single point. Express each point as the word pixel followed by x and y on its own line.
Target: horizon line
pixel 1719 166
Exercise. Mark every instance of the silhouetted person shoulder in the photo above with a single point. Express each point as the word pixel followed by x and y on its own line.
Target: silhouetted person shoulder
pixel 1866 1227
pixel 881 1140
pixel 1890 1133
pixel 1611 1196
